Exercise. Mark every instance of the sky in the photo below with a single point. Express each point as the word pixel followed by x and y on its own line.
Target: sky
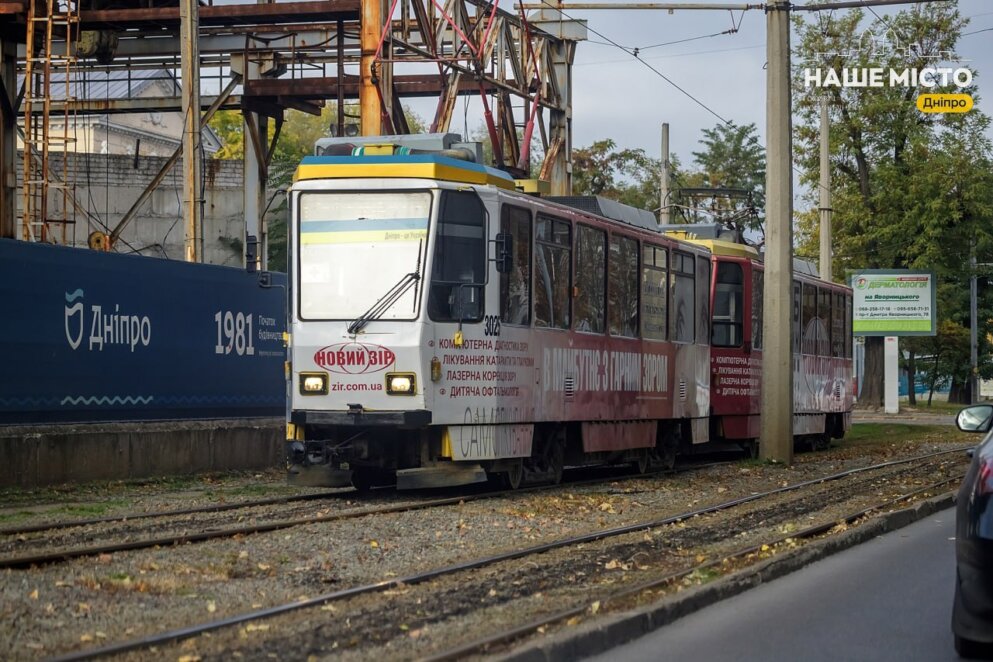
pixel 616 96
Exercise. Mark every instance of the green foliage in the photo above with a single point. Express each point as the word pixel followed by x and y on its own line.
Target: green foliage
pixel 910 190
pixel 943 357
pixel 627 175
pixel 732 157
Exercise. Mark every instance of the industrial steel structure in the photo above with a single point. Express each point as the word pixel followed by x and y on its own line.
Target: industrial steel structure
pixel 264 59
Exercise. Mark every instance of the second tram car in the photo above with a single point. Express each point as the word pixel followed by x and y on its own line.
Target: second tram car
pixel 447 329
pixel 823 394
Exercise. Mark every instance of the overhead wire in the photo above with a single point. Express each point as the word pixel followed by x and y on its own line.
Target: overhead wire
pixel 634 54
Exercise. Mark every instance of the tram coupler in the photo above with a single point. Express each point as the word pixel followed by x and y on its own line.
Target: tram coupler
pixel 307 466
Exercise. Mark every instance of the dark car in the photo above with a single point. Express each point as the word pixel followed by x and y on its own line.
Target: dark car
pixel 972 613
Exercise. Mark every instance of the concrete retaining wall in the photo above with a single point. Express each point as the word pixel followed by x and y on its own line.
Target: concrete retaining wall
pixel 32 457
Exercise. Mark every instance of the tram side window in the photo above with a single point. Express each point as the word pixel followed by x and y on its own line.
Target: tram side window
pixel 553 263
pixel 823 322
pixel 848 326
pixel 623 290
pixel 591 266
pixel 459 269
pixel 728 325
pixel 703 300
pixel 838 326
pixel 797 327
pixel 653 292
pixel 515 287
pixel 681 317
pixel 808 343
pixel 758 285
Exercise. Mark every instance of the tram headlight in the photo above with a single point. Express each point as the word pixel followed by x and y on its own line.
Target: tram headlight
pixel 313 383
pixel 401 383
pixel 435 369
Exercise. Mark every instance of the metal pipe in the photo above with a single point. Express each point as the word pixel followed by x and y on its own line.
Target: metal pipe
pixel 189 15
pixel 369 103
pixel 670 6
pixel 854 4
pixel 825 208
pixel 664 193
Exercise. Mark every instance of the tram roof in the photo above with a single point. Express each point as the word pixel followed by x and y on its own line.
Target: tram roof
pixel 721 246
pixel 417 166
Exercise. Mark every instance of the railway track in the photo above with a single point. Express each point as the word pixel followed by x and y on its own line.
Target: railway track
pixel 672 537
pixel 61 554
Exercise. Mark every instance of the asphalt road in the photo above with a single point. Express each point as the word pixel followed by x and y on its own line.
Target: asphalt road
pixel 885 600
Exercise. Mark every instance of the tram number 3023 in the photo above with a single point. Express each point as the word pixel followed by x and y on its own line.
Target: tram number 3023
pixel 491 325
pixel 234 333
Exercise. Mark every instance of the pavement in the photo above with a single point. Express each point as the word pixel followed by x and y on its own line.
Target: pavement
pixel 906 415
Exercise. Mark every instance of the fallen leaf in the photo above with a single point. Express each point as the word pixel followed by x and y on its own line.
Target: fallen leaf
pixel 242 554
pixel 493 592
pixel 86 638
pixel 252 627
pixel 105 559
pixel 33 595
pixel 595 607
pixel 264 566
pixel 189 658
pixel 211 606
pixel 373 544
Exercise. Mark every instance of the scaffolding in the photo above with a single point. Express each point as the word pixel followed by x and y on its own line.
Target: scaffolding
pixel 52 29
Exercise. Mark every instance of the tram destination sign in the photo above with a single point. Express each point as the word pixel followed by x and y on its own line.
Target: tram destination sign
pixel 893 302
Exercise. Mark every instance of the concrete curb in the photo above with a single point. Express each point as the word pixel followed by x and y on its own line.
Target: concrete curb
pixel 612 631
pixel 35 457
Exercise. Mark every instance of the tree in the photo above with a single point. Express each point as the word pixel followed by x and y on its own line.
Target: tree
pixel 732 157
pixel 910 190
pixel 626 175
pixel 944 357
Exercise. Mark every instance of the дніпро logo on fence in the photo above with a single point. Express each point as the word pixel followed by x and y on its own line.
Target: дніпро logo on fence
pixel 863 70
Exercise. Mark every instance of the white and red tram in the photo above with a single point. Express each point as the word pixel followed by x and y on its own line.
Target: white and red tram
pixel 446 328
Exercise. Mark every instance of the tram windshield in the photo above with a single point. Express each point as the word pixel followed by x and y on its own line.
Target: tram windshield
pixel 355 247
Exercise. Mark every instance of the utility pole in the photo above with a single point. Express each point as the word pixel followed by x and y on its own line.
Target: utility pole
pixel 664 202
pixel 973 328
pixel 825 193
pixel 776 442
pixel 189 28
pixel 369 105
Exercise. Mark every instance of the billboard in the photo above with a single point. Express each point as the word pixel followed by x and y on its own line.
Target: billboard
pixel 893 302
pixel 91 336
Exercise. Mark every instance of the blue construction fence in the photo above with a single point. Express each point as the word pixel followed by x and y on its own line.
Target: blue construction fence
pixel 92 336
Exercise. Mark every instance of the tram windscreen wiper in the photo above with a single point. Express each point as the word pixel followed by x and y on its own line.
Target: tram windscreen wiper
pixel 383 304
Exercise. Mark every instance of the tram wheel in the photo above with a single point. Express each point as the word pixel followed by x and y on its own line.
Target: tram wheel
pixel 556 461
pixel 514 476
pixel 666 450
pixel 362 479
pixel 641 460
